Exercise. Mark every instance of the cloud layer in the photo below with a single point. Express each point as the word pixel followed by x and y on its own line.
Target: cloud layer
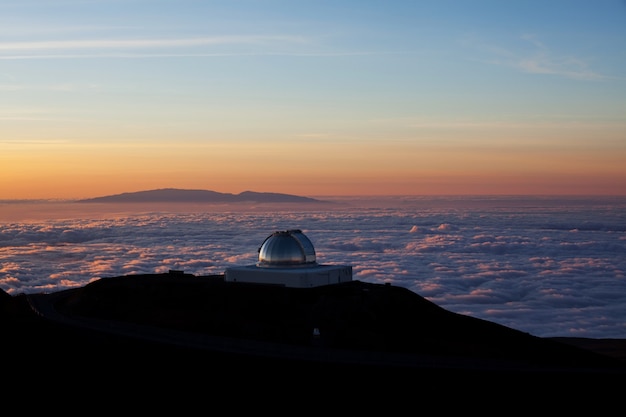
pixel 547 267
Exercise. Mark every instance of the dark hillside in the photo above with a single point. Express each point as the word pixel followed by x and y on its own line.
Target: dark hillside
pixel 350 316
pixel 181 336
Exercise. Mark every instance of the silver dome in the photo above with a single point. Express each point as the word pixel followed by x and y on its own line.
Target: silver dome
pixel 286 248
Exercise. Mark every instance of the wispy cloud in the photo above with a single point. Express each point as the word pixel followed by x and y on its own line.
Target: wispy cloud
pixel 177 55
pixel 51 87
pixel 261 45
pixel 541 121
pixel 138 48
pixel 141 43
pixel 538 60
pixel 543 61
pixel 34 114
pixel 38 143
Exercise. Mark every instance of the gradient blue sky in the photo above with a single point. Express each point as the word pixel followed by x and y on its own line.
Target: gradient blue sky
pixel 312 97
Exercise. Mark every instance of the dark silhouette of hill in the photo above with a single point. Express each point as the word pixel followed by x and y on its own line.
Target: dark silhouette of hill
pixel 174 195
pixel 354 316
pixel 177 335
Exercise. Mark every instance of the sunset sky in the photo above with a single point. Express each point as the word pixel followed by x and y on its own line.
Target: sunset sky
pixel 313 98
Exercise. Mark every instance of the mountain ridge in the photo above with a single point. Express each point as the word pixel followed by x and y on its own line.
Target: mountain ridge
pixel 178 195
pixel 363 325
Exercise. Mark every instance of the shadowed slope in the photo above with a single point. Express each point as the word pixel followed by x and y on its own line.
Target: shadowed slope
pixel 178 336
pixel 350 316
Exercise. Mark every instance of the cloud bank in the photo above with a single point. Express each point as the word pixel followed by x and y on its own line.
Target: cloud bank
pixel 547 267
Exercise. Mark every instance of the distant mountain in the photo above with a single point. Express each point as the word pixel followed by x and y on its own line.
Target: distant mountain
pixel 174 195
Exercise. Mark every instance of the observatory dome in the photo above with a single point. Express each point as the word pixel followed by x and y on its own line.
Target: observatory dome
pixel 286 248
pixel 287 258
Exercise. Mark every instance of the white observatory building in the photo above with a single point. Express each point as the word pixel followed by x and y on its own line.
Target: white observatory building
pixel 288 258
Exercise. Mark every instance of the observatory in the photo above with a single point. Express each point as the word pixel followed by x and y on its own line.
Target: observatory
pixel 288 258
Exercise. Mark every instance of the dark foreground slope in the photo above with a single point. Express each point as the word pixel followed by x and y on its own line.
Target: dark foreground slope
pixel 175 328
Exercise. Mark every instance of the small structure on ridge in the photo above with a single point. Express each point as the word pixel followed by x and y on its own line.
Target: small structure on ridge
pixel 288 258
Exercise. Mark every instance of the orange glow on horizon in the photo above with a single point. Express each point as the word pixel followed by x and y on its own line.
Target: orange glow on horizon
pixel 76 186
pixel 311 167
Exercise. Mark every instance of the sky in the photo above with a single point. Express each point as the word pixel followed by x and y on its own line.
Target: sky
pixel 547 266
pixel 314 98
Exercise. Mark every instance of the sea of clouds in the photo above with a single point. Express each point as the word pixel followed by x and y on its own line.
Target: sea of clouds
pixel 546 266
